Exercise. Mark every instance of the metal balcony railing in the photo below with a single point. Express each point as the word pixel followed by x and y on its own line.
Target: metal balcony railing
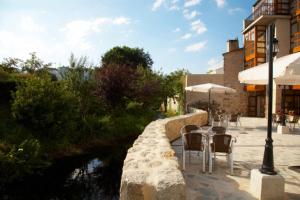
pixel 269 9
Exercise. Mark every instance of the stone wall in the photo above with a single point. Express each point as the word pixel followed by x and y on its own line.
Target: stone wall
pixel 195 79
pixel 233 64
pixel 151 170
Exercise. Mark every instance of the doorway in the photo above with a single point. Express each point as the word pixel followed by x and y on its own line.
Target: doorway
pixel 256 104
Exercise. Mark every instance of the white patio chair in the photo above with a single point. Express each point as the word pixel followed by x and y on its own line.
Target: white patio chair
pixel 293 120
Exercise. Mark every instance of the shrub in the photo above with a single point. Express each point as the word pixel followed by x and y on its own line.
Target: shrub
pixel 23 159
pixel 46 107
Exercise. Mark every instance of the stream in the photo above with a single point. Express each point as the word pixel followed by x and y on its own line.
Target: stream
pixel 87 177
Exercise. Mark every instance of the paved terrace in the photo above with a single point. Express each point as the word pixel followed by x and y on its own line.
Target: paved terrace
pixel 248 154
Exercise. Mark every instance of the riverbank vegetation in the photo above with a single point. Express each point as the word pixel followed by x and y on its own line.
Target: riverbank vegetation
pixel 47 112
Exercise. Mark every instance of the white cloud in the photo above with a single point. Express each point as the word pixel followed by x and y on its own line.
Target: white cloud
pixel 220 3
pixel 176 30
pixel 157 4
pixel 174 5
pixel 28 24
pixel 121 20
pixel 232 11
pixel 186 36
pixel 189 3
pixel 190 15
pixel 19 45
pixel 198 26
pixel 77 31
pixel 196 47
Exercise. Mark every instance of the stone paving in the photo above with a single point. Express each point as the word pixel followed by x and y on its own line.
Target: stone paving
pixel 248 154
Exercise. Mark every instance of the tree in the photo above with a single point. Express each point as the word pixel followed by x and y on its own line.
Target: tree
pixel 174 86
pixel 34 63
pixel 115 85
pixel 10 64
pixel 126 56
pixel 80 80
pixel 46 107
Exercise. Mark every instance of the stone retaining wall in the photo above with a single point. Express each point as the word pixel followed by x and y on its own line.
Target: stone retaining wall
pixel 151 169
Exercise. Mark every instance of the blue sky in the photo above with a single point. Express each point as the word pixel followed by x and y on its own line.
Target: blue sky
pixel 188 34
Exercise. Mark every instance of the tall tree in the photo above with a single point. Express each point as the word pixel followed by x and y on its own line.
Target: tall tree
pixel 132 57
pixel 34 63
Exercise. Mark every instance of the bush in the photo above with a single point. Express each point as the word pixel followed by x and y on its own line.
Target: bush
pixel 7 88
pixel 23 159
pixel 46 107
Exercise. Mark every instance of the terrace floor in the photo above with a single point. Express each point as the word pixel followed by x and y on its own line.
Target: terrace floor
pixel 248 154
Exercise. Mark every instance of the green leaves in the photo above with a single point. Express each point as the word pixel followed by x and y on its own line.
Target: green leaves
pixel 44 106
pixel 131 57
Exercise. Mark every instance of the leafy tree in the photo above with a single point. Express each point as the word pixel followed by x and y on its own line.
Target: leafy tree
pixel 10 64
pixel 80 80
pixel 46 107
pixel 33 64
pixel 126 56
pixel 115 85
pixel 174 87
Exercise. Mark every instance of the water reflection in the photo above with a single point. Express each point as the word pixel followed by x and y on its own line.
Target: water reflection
pixel 87 177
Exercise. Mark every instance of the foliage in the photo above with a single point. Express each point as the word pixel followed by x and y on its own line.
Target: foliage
pixel 131 121
pixel 33 64
pixel 126 56
pixel 118 85
pixel 80 81
pixel 21 160
pixel 6 88
pixel 115 85
pixel 174 87
pixel 10 65
pixel 46 107
pixel 203 105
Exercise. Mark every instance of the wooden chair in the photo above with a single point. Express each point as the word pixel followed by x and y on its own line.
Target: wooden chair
pixel 221 143
pixel 193 140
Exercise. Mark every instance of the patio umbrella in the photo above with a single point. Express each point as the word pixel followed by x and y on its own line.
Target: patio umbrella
pixel 210 88
pixel 286 71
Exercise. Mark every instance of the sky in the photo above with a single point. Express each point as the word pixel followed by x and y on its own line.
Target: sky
pixel 178 34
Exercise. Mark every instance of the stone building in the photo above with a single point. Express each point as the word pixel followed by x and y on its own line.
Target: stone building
pixel 233 63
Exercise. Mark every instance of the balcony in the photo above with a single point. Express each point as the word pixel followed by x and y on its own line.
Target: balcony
pixel 268 9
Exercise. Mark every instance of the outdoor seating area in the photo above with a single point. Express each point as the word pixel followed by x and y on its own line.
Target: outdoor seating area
pixel 209 141
pixel 221 118
pixel 291 120
pixel 228 176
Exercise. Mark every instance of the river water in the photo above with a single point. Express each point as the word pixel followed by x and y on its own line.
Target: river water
pixel 89 177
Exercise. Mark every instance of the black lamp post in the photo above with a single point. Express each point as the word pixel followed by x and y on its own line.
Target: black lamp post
pixel 268 161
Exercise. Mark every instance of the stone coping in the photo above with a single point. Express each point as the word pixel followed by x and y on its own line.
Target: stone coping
pixel 151 169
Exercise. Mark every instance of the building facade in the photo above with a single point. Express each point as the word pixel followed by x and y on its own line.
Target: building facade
pixel 285 15
pixel 232 64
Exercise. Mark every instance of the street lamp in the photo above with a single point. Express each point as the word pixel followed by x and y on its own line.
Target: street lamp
pixel 268 161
